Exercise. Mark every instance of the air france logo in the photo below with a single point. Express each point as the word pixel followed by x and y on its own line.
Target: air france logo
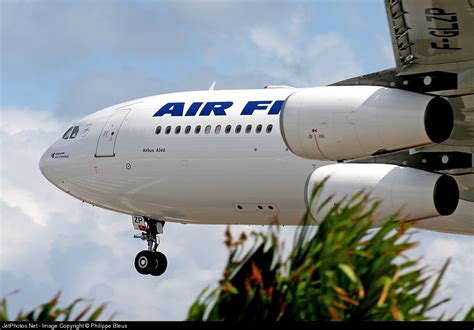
pixel 217 108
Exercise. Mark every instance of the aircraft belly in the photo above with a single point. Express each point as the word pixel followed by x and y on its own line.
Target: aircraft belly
pixel 195 192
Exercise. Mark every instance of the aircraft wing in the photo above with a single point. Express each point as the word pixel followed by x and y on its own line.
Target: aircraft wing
pixel 433 45
pixel 431 33
pixel 434 36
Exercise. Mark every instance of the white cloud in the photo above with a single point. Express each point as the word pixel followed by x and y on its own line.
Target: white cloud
pixel 274 44
pixel 458 283
pixel 51 34
pixel 26 202
pixel 19 156
pixel 302 60
pixel 92 91
pixel 17 120
pixel 385 45
pixel 44 35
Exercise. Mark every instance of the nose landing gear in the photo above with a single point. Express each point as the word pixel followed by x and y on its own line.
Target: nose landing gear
pixel 153 263
pixel 149 261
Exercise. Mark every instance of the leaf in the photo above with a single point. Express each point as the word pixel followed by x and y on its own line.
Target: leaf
pixel 81 314
pixel 46 308
pixel 228 287
pixel 435 287
pixel 386 287
pixel 349 272
pixel 470 315
pixel 68 310
pixel 3 310
pixel 256 274
pixel 97 312
pixel 334 314
pixel 397 316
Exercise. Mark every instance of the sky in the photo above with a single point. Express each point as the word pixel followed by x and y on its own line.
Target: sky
pixel 61 60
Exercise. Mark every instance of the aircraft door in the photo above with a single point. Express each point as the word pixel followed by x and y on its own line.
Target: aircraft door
pixel 108 136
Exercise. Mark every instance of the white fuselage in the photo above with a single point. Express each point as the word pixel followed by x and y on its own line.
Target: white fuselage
pixel 205 177
pixel 139 158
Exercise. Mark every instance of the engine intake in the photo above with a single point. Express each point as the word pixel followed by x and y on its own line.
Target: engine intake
pixel 418 194
pixel 347 122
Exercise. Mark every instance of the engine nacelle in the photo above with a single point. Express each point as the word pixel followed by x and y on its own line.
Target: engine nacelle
pixel 418 194
pixel 347 122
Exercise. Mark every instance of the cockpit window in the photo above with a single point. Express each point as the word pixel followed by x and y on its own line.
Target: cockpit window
pixel 66 135
pixel 74 132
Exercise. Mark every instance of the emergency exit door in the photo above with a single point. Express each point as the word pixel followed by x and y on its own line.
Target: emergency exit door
pixel 108 136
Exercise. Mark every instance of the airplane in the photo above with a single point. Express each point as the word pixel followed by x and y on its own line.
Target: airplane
pixel 405 134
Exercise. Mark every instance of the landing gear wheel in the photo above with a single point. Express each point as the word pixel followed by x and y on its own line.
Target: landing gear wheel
pixel 149 261
pixel 161 264
pixel 145 262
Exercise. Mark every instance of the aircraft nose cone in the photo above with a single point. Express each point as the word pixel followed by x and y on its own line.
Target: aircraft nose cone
pixel 44 164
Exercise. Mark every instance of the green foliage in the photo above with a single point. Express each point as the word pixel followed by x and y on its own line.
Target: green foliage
pixel 470 315
pixel 341 271
pixel 49 311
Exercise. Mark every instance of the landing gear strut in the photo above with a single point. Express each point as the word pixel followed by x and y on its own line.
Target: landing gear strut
pixel 149 261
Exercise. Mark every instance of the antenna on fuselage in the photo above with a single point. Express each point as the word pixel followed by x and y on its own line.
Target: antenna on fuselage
pixel 211 88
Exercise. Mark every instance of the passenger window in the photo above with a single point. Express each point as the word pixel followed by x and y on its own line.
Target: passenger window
pixel 258 129
pixel 177 130
pixel 208 129
pixel 158 130
pixel 168 130
pixel 238 128
pixel 197 130
pixel 269 128
pixel 248 129
pixel 187 130
pixel 218 129
pixel 66 135
pixel 74 132
pixel 227 129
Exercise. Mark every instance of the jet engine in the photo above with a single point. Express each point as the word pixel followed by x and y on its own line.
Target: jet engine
pixel 416 194
pixel 347 122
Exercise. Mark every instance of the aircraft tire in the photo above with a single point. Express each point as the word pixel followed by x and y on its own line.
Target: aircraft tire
pixel 162 264
pixel 145 262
